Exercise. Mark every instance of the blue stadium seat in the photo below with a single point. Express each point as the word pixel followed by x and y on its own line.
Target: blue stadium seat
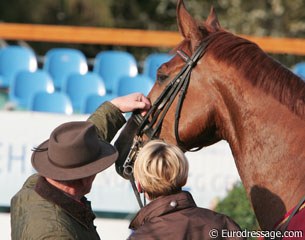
pixel 153 61
pixel 93 101
pixel 26 84
pixel 299 69
pixel 61 62
pixel 78 87
pixel 14 59
pixel 56 102
pixel 112 65
pixel 140 83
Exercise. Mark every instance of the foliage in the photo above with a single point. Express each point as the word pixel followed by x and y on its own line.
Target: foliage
pixel 237 206
pixel 282 18
pixel 60 12
pixel 279 18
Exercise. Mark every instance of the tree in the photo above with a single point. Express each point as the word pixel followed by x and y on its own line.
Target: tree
pixel 279 18
pixel 237 206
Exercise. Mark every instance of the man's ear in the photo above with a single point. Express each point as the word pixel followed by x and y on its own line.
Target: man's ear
pixel 139 187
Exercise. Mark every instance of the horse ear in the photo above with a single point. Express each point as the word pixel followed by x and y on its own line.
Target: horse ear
pixel 212 24
pixel 187 25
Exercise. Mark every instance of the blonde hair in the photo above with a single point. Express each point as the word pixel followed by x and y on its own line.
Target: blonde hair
pixel 161 169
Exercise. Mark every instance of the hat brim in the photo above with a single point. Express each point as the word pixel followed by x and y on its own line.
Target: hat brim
pixel 46 168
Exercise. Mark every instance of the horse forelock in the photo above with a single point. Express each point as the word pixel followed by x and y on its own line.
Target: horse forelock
pixel 260 69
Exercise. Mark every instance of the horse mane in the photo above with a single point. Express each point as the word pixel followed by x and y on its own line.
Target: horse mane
pixel 260 69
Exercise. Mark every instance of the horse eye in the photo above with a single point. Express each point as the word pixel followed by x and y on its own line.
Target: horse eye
pixel 161 77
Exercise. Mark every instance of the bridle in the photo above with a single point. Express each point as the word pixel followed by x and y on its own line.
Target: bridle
pixel 150 124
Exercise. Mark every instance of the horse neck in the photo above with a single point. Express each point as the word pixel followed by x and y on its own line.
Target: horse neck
pixel 267 146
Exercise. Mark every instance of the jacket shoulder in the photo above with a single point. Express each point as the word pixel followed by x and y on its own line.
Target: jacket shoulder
pixel 42 220
pixel 34 217
pixel 217 220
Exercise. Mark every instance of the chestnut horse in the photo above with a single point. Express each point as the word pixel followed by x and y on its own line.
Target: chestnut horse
pixel 239 94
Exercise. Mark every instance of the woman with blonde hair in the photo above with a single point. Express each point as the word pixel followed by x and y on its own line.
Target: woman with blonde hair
pixel 160 171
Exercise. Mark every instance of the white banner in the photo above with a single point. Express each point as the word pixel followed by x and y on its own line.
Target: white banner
pixel 212 170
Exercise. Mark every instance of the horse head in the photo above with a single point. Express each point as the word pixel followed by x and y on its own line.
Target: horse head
pixel 190 132
pixel 221 86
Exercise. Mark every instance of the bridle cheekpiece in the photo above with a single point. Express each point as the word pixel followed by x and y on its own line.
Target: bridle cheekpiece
pixel 150 124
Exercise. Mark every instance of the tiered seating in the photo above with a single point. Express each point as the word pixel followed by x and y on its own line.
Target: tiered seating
pixel 56 102
pixel 112 65
pixel 153 61
pixel 65 85
pixel 26 84
pixel 93 101
pixel 140 83
pixel 61 62
pixel 299 69
pixel 14 59
pixel 78 87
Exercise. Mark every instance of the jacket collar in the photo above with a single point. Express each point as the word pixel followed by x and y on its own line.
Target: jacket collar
pixel 80 212
pixel 163 205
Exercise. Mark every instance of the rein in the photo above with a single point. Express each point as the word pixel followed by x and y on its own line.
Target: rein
pixel 151 123
pixel 282 226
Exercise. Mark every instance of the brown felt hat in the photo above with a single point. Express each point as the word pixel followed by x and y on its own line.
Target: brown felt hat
pixel 73 151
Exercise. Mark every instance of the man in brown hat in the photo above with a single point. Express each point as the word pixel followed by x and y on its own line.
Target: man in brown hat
pixel 52 203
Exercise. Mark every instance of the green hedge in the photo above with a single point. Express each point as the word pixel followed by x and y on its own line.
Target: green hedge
pixel 237 206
